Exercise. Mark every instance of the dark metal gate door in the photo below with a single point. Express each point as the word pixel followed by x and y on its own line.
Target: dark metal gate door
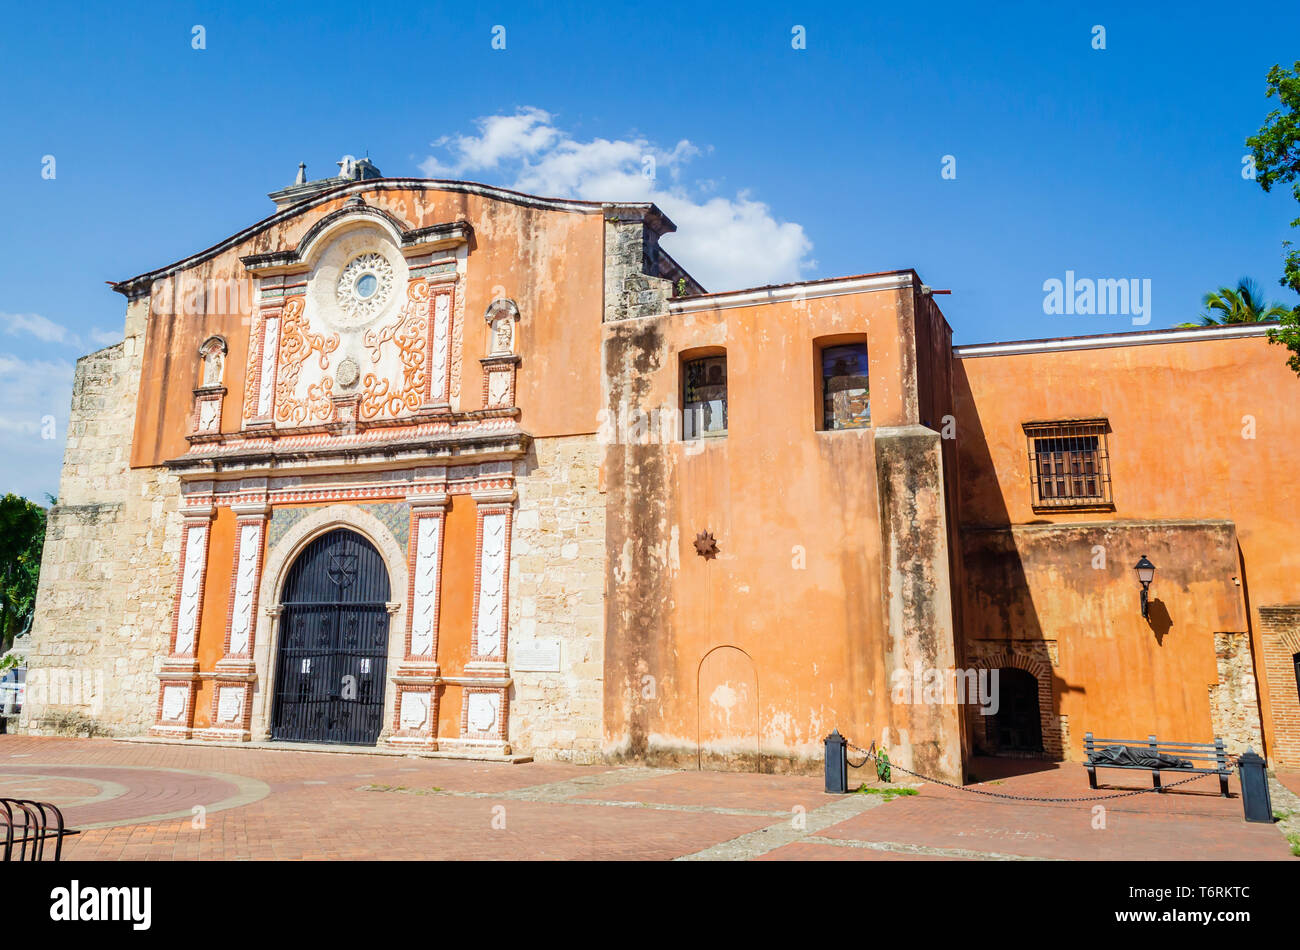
pixel 329 682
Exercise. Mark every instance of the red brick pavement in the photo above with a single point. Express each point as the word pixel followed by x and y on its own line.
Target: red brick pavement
pixel 1187 823
pixel 301 805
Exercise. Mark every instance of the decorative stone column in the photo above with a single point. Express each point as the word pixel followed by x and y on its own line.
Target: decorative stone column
pixel 438 297
pixel 419 690
pixel 232 694
pixel 264 348
pixel 178 677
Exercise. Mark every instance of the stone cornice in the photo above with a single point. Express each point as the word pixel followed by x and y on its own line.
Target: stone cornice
pixel 268 455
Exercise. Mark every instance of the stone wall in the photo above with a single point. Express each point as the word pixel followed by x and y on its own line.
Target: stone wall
pixel 108 570
pixel 1234 699
pixel 557 565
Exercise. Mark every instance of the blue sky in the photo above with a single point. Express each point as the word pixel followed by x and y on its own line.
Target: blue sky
pixel 785 163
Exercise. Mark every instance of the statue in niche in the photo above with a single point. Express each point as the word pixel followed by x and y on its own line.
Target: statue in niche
pixel 502 335
pixel 212 368
pixel 213 354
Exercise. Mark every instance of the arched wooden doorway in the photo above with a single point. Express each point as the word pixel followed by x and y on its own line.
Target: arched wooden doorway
pixel 333 643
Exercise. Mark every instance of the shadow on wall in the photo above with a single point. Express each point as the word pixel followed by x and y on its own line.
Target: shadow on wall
pixel 1159 620
pixel 998 615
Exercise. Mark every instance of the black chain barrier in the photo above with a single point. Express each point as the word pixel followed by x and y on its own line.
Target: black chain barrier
pixel 870 755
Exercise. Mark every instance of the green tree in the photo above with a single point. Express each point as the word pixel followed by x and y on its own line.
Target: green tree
pixel 1276 154
pixel 22 536
pixel 1241 304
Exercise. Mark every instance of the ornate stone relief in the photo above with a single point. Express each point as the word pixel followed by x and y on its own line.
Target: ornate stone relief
pixel 297 344
pixel 482 711
pixel 270 348
pixel 491 585
pixel 415 709
pixel 230 704
pixel 424 606
pixel 250 543
pixel 187 617
pixel 409 333
pixel 209 415
pixel 441 347
pixel 173 703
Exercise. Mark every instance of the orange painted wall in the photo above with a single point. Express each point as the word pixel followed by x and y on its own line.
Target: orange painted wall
pixel 457 605
pixel 551 263
pixel 775 492
pixel 1176 412
pixel 216 608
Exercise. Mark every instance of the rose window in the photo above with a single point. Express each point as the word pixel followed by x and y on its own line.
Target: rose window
pixel 364 286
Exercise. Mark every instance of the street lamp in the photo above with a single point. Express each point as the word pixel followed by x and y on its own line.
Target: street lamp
pixel 1146 573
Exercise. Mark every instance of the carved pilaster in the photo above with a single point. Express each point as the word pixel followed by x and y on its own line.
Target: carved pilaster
pixel 178 675
pixel 232 694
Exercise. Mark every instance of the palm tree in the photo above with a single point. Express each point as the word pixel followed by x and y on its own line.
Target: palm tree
pixel 1241 304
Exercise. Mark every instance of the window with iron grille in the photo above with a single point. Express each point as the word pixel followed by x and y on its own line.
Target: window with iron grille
pixel 1069 466
pixel 704 397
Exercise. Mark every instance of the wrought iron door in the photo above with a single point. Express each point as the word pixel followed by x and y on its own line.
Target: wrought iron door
pixel 333 649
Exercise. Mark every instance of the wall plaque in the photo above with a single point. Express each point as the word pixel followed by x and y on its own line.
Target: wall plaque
pixel 536 656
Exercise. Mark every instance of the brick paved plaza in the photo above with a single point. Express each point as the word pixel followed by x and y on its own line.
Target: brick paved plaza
pixel 136 801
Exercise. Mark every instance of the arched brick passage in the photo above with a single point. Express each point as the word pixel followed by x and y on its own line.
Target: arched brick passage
pixel 1054 727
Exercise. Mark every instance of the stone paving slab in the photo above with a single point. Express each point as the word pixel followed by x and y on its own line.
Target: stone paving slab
pixel 136 801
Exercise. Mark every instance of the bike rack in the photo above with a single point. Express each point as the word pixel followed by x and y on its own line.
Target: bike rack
pixel 39 822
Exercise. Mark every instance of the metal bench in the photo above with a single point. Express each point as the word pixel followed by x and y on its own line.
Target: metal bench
pixel 1212 754
pixel 27 825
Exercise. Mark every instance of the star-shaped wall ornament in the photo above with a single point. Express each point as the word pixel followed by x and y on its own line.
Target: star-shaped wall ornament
pixel 706 545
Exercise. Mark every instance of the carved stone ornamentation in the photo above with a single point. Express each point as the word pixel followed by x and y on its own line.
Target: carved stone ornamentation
pixel 241 620
pixel 424 606
pixel 364 286
pixel 492 580
pixel 173 703
pixel 230 704
pixel 482 711
pixel 415 709
pixel 187 611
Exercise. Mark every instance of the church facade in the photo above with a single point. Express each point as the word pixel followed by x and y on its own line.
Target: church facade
pixel 441 467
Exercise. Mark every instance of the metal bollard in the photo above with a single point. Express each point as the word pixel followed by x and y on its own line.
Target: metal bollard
pixel 837 764
pixel 1255 800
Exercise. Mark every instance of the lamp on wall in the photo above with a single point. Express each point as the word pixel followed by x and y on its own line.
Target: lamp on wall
pixel 1146 573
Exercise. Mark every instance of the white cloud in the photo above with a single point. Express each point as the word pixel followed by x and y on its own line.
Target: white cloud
pixel 34 324
pixel 47 331
pixel 35 397
pixel 104 338
pixel 726 242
